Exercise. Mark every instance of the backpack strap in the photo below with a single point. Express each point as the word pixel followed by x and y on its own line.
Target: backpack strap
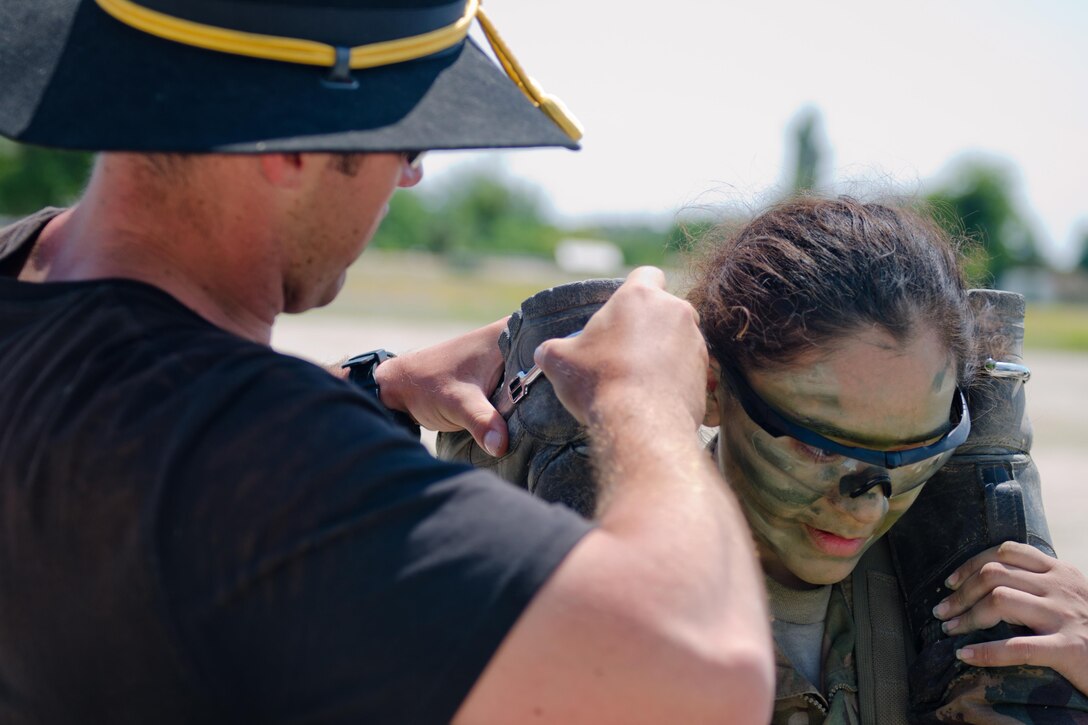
pixel 882 649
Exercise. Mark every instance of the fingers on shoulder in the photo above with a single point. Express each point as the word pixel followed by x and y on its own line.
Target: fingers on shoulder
pixel 1042 651
pixel 988 578
pixel 995 574
pixel 1010 552
pixel 1025 556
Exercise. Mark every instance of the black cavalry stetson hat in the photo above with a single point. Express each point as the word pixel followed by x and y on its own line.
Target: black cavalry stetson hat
pixel 265 75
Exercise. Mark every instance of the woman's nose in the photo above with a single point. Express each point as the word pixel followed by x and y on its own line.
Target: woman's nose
pixel 857 484
pixel 864 496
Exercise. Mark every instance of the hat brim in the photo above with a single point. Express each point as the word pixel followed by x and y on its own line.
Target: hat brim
pixel 74 77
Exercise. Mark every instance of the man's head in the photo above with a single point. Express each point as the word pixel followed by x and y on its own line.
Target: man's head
pixel 256 76
pixel 337 206
pixel 301 118
pixel 289 223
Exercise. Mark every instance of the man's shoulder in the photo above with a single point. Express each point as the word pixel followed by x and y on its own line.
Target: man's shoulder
pixel 119 360
pixel 14 235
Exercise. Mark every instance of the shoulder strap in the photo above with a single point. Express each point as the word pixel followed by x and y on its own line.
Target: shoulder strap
pixel 882 649
pixel 17 239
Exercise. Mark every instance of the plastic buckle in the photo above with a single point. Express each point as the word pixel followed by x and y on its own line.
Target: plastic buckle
pixel 339 77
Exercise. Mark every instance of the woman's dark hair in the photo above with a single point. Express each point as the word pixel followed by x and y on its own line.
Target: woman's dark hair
pixel 809 270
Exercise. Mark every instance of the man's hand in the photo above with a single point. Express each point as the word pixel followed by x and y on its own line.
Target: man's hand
pixel 641 355
pixel 446 387
pixel 668 578
pixel 1019 584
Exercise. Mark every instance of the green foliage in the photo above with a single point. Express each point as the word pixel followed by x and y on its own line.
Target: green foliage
pixel 32 177
pixel 979 202
pixel 479 214
pixel 474 214
pixel 640 243
pixel 650 244
pixel 407 226
pixel 1082 263
pixel 482 213
pixel 808 150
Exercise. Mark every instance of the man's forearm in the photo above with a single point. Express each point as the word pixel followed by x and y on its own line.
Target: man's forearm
pixel 663 489
pixel 663 497
pixel 657 615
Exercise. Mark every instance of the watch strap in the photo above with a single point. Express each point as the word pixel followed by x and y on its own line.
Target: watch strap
pixel 361 370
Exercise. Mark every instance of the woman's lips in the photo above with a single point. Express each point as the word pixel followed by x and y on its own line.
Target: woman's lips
pixel 833 544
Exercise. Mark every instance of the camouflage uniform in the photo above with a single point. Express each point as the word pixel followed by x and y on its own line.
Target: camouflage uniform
pixel 796 700
pixel 997 696
pixel 987 493
pixel 547 456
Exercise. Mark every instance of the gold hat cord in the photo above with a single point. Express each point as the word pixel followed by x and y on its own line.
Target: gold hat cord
pixel 372 55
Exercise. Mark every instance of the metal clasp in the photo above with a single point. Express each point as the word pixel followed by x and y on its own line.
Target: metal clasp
pixel 519 386
pixel 997 369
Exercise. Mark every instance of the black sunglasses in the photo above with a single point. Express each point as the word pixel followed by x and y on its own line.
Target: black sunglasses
pixel 776 424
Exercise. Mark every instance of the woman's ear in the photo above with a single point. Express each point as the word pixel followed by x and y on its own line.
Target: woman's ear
pixel 712 417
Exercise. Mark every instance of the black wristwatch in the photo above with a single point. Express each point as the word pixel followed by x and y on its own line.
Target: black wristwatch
pixel 361 372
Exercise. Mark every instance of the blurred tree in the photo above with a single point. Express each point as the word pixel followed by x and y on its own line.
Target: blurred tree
pixel 480 212
pixel 471 214
pixel 408 225
pixel 485 213
pixel 808 150
pixel 640 243
pixel 1082 263
pixel 643 243
pixel 979 201
pixel 32 177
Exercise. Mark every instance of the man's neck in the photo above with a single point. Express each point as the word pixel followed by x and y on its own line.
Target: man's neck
pixel 206 255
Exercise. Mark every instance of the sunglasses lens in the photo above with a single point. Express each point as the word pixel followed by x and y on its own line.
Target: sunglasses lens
pixel 414 158
pixel 854 478
pixel 914 475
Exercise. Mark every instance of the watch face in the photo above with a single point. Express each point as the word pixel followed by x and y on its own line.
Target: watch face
pixel 368 360
pixel 361 373
pixel 362 370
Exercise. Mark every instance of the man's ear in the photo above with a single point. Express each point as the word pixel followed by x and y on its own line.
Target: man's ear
pixel 283 170
pixel 713 388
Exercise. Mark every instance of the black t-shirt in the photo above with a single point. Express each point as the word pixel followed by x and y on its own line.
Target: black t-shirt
pixel 198 529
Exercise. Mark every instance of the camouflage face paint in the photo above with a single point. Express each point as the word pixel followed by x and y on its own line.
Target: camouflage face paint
pixel 807 531
pixel 788 513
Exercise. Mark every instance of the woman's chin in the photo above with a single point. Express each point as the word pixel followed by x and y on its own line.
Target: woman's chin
pixel 809 572
pixel 803 565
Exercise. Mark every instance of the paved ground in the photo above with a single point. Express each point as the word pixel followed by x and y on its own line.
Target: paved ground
pixel 1057 403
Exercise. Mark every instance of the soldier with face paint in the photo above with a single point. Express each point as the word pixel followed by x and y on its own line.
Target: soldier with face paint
pixel 842 347
pixel 844 360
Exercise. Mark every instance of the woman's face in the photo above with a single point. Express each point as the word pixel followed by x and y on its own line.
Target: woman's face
pixel 866 390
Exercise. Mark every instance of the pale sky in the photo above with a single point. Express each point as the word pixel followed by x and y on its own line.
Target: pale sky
pixel 688 102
